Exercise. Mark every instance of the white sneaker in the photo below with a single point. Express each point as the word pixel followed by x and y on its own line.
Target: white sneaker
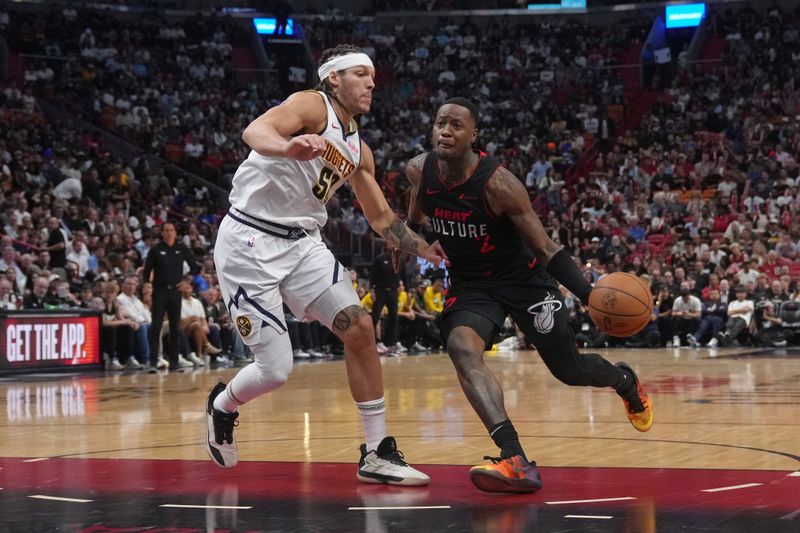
pixel 115 364
pixel 223 360
pixel 382 350
pixel 399 348
pixel 220 442
pixel 691 340
pixel 386 465
pixel 315 354
pixel 713 343
pixel 162 364
pixel 419 348
pixel 676 341
pixel 196 361
pixel 133 364
pixel 183 363
pixel 300 354
pixel 509 344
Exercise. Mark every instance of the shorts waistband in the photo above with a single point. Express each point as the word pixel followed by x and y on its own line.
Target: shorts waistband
pixel 267 226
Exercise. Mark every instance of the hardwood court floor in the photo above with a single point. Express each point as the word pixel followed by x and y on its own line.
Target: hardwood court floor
pixel 723 454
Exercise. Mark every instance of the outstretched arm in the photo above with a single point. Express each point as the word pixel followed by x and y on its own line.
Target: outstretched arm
pixel 381 217
pixel 506 195
pixel 269 134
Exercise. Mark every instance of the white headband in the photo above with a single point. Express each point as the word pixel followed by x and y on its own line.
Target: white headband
pixel 344 62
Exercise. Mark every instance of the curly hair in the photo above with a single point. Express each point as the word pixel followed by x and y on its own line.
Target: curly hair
pixel 339 50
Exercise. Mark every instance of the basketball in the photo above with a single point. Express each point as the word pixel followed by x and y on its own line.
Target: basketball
pixel 620 304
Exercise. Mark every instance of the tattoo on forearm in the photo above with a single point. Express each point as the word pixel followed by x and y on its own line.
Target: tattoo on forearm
pixel 347 317
pixel 399 236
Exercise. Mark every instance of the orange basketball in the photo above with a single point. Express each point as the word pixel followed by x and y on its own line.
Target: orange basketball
pixel 620 304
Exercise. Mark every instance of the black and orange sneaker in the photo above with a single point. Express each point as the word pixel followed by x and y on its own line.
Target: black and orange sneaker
pixel 637 403
pixel 514 474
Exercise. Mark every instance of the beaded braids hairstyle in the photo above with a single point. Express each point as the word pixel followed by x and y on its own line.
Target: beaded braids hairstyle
pixel 339 50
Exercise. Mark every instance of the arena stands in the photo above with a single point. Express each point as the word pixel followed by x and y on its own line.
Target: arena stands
pixel 703 189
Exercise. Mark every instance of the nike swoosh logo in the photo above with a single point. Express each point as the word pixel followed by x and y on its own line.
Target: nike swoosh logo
pixel 433 191
pixel 334 126
pixel 532 263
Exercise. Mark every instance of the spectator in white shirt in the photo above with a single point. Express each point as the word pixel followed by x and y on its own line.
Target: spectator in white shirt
pixel 195 325
pixel 132 308
pixel 748 274
pixel 79 254
pixel 686 311
pixel 8 300
pixel 740 311
pixel 716 254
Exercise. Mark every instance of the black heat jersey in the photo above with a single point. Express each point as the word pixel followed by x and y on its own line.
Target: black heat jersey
pixel 480 245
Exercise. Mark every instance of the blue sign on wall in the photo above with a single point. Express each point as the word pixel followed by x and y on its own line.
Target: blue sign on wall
pixel 267 26
pixel 685 16
pixel 563 4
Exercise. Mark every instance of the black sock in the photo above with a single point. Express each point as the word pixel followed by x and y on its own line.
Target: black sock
pixel 625 382
pixel 506 438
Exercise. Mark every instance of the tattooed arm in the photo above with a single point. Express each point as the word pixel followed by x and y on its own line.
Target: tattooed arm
pixel 416 218
pixel 506 196
pixel 381 217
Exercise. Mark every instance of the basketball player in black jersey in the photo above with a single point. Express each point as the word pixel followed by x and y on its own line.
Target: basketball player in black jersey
pixel 502 262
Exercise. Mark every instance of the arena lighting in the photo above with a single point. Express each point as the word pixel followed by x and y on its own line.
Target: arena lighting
pixel 266 26
pixel 685 16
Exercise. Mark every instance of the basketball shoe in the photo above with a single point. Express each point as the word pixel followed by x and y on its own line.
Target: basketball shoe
pixel 637 403
pixel 513 474
pixel 386 465
pixel 220 443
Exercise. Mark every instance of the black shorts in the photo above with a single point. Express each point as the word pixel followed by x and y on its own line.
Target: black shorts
pixel 534 304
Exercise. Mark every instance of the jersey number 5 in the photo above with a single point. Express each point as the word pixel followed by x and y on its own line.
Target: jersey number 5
pixel 325 186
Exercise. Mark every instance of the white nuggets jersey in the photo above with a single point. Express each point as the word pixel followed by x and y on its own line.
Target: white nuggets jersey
pixel 292 192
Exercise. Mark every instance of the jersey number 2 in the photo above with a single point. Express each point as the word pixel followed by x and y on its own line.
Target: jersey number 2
pixel 325 186
pixel 487 246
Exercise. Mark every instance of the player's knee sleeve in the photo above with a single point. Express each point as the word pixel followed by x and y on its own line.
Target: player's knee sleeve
pixel 272 351
pixel 575 369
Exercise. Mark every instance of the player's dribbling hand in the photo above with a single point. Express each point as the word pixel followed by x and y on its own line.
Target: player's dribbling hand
pixel 435 254
pixel 305 147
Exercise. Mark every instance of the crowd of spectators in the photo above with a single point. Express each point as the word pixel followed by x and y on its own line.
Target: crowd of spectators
pixel 702 196
pixel 546 88
pixel 169 86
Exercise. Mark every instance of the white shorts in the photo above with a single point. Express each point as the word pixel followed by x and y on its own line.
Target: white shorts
pixel 258 272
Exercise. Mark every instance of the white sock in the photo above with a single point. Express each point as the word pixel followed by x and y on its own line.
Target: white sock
pixel 224 401
pixel 373 418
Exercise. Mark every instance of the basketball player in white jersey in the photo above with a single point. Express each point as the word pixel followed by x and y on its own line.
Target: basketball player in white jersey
pixel 269 251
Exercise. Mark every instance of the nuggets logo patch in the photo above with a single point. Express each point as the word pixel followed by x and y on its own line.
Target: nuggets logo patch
pixel 244 326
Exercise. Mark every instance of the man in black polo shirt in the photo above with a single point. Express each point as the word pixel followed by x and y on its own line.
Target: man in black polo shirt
pixel 385 282
pixel 167 262
pixel 56 244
